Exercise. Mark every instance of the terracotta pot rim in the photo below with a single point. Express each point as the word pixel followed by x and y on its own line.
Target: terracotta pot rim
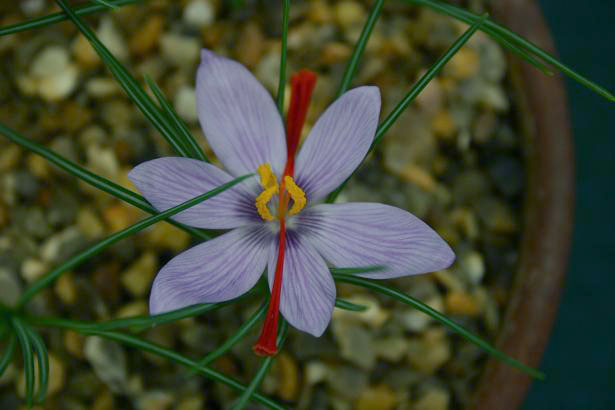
pixel 548 214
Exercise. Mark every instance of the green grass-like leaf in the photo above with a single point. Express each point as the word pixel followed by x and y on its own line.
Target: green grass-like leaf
pixel 28 359
pixel 134 90
pixel 106 4
pixel 7 356
pixel 95 180
pixel 137 323
pixel 246 396
pixel 359 48
pixel 181 129
pixel 136 342
pixel 43 363
pixel 283 54
pixel 417 304
pixel 360 269
pixel 412 94
pixel 346 305
pixel 95 249
pixel 83 10
pixel 500 33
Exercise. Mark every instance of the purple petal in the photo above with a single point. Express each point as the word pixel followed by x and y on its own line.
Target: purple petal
pixel 169 181
pixel 308 290
pixel 220 269
pixel 338 142
pixel 370 234
pixel 239 118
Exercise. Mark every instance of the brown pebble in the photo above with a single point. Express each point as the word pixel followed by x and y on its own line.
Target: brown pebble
pixel 146 38
pixel 250 45
pixel 380 397
pixel 288 387
pixel 73 343
pixel 334 53
pixel 461 303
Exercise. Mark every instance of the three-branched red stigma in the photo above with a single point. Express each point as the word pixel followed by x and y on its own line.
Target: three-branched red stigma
pixel 302 85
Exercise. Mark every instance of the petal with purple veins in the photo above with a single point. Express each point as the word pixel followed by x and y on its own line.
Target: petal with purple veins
pixel 371 234
pixel 238 116
pixel 167 182
pixel 308 289
pixel 220 269
pixel 338 142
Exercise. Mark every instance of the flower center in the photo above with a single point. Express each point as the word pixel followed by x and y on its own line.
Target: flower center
pixel 287 190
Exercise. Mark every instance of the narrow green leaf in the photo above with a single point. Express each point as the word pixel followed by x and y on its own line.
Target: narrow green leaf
pixel 106 4
pixel 50 277
pixel 83 10
pixel 262 371
pixel 283 53
pixel 361 269
pixel 346 305
pixel 417 304
pixel 28 359
pixel 95 180
pixel 138 323
pixel 189 142
pixel 502 32
pixel 359 48
pixel 7 356
pixel 523 54
pixel 128 83
pixel 147 346
pixel 236 337
pixel 412 94
pixel 43 363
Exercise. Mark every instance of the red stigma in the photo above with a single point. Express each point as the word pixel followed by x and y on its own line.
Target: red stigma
pixel 302 85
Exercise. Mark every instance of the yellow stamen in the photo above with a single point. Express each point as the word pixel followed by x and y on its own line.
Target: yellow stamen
pixel 268 179
pixel 297 195
pixel 263 199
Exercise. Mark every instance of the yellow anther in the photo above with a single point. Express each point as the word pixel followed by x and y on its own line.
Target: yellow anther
pixel 297 195
pixel 268 179
pixel 263 198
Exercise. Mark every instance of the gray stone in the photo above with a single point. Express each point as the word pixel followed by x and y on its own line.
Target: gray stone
pixel 108 360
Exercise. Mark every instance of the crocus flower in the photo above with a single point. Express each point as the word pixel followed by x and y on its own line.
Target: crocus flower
pixel 279 224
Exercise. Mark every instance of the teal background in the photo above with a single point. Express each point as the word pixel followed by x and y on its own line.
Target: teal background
pixel 580 358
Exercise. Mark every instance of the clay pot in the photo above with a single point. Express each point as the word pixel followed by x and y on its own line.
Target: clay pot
pixel 548 214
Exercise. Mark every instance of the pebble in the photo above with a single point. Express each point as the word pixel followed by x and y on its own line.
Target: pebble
pixel 181 50
pixel 349 13
pixel 374 316
pixel 429 352
pixel 102 161
pixel 191 403
pixel 66 289
pixel 108 360
pixel 136 308
pixel 32 269
pixel 73 343
pixel 185 104
pixel 462 303
pixel 346 381
pixel 102 87
pixel 165 236
pixel 61 245
pixel 335 52
pixel 433 399
pixel 250 45
pixel 464 64
pixel 417 321
pixel 57 377
pixel 9 157
pixel 120 216
pixel 137 279
pixel 380 397
pixel 90 224
pixel 10 287
pixel 288 385
pixel 392 349
pixel 472 265
pixel 84 53
pixel 112 38
pixel 199 13
pixel 355 343
pixel 155 400
pixel 52 75
pixel 145 39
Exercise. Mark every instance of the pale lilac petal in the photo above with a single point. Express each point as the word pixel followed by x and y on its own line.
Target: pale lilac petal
pixel 238 116
pixel 220 269
pixel 338 142
pixel 167 182
pixel 308 290
pixel 370 234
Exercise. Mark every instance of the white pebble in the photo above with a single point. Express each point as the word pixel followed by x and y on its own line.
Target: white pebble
pixel 185 103
pixel 199 13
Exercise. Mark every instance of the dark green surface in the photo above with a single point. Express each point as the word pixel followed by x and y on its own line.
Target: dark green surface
pixel 580 358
